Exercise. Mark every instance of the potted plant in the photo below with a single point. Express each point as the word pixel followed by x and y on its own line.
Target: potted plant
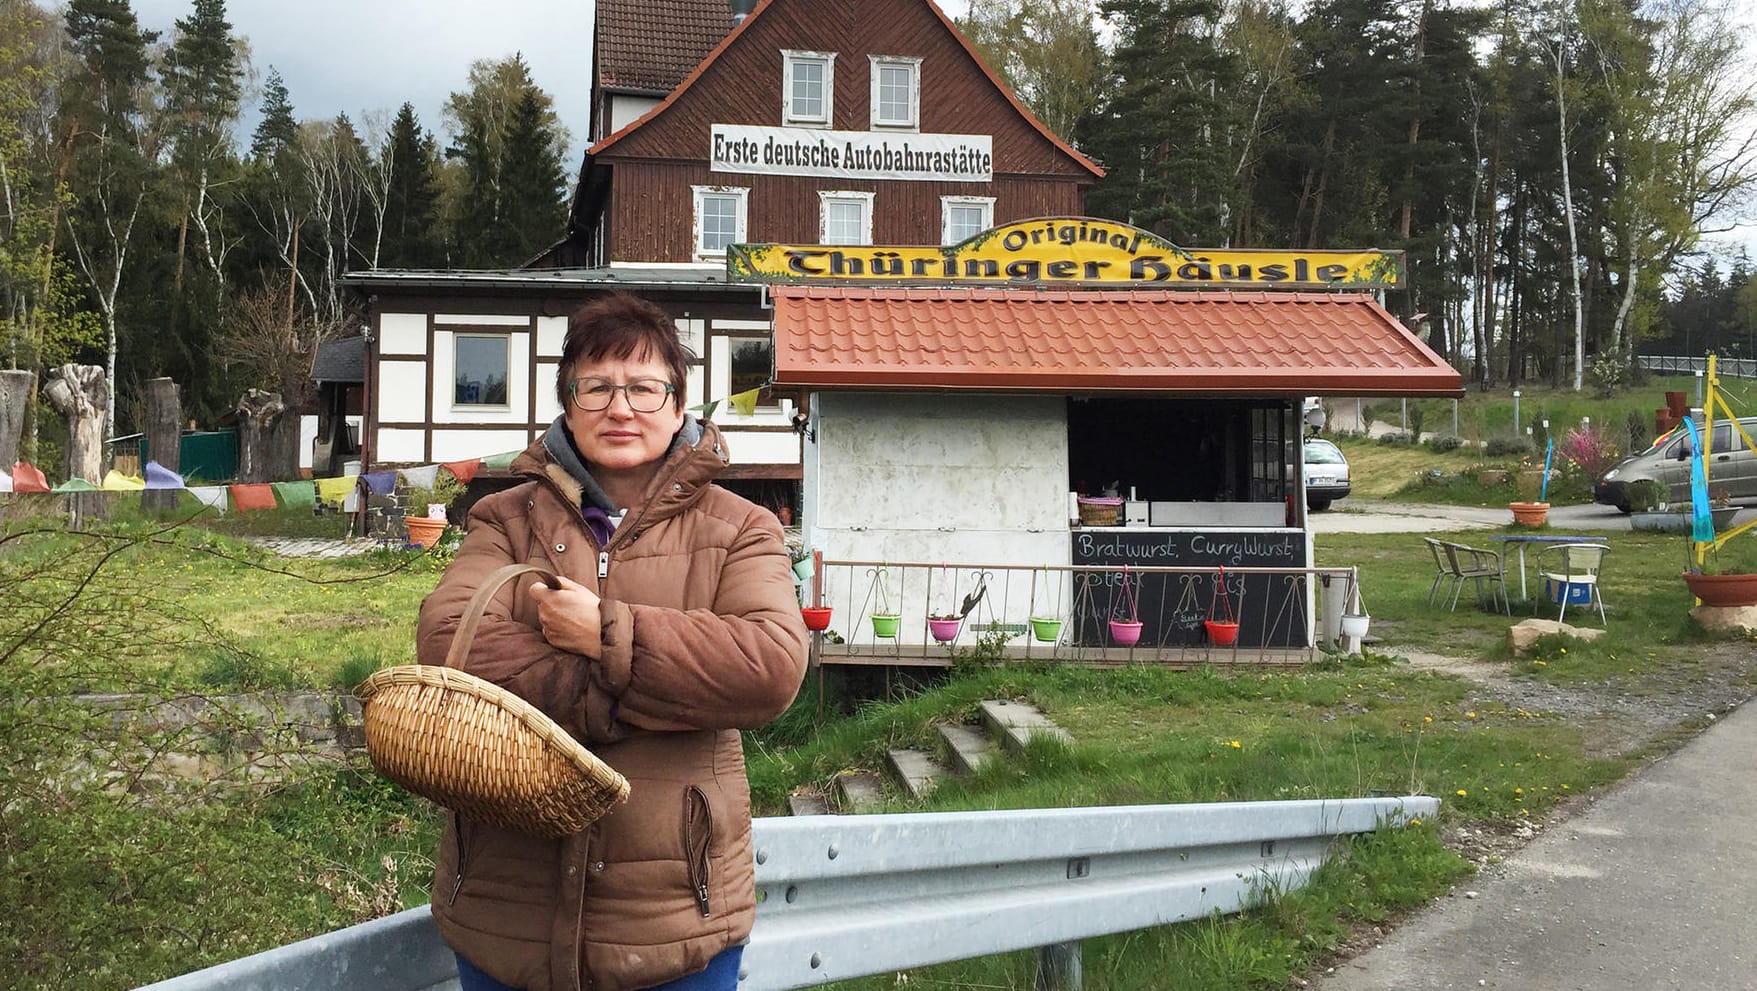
pixel 1531 508
pixel 1221 623
pixel 817 618
pixel 1046 627
pixel 885 620
pixel 1648 509
pixel 944 626
pixel 1722 582
pixel 1127 632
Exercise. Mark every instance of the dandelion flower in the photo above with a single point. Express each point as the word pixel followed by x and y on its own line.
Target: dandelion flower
pixel 1471 714
pixel 1236 745
pixel 1519 791
pixel 1415 822
pixel 1427 719
pixel 1462 793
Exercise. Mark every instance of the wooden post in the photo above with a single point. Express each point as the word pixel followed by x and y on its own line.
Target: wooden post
pixel 164 438
pixel 257 411
pixel 15 392
pixel 81 394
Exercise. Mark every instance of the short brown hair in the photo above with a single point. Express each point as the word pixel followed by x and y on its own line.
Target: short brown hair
pixel 622 326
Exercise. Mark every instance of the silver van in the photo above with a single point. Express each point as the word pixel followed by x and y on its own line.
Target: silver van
pixel 1732 467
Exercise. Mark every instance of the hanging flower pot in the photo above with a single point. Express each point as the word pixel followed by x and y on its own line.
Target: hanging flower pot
pixel 1046 629
pixel 817 618
pixel 885 625
pixel 1220 632
pixel 1125 633
pixel 945 629
pixel 1354 624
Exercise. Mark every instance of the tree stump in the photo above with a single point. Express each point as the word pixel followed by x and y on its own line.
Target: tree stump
pixel 164 438
pixel 258 412
pixel 15 386
pixel 81 394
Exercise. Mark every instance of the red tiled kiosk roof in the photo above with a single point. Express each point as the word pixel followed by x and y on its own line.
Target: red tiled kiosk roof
pixel 1097 341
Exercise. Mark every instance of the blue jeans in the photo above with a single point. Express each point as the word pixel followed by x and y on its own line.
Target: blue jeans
pixel 721 975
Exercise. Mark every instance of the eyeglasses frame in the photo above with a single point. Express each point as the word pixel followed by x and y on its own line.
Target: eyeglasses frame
pixel 573 394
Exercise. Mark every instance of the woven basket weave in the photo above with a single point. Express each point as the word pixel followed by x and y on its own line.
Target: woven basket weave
pixel 1098 510
pixel 478 749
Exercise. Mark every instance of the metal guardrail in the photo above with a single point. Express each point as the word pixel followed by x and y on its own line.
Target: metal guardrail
pixel 1738 368
pixel 841 897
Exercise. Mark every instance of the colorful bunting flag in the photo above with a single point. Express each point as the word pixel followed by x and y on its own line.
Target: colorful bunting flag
pixel 380 482
pixel 115 481
pixel 75 485
pixel 259 495
pixel 745 402
pixel 332 491
pixel 500 462
pixel 211 496
pixel 462 470
pixel 159 477
pixel 26 478
pixel 293 494
pixel 422 477
pixel 708 409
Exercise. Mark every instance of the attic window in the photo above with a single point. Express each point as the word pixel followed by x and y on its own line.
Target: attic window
pixel 896 92
pixel 807 87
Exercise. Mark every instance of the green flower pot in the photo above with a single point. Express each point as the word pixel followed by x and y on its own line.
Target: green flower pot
pixel 1046 630
pixel 885 624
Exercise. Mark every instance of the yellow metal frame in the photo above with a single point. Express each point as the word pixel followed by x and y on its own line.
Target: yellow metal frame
pixel 1710 401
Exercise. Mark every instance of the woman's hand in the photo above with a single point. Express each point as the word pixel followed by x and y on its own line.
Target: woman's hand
pixel 569 616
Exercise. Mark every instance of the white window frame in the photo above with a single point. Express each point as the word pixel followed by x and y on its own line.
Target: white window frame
pixel 946 204
pixel 740 224
pixel 791 117
pixel 882 62
pixel 863 200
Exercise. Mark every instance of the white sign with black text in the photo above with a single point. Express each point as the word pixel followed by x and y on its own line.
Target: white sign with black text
pixel 852 154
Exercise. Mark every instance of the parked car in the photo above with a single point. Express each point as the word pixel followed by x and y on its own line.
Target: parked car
pixel 1732 467
pixel 1326 473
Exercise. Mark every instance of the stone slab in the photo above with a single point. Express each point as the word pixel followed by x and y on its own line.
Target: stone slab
pixel 1016 723
pixel 1726 619
pixel 1523 635
pixel 859 791
pixel 967 747
pixel 808 802
pixel 916 770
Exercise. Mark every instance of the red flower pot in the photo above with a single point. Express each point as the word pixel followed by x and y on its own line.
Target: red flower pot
pixel 1220 633
pixel 816 617
pixel 1723 590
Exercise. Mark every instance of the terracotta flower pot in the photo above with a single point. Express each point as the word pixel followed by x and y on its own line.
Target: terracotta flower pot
pixel 424 531
pixel 1723 590
pixel 1221 633
pixel 1530 513
pixel 817 618
pixel 944 630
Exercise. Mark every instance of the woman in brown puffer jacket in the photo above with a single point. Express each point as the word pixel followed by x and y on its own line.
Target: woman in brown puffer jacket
pixel 675 626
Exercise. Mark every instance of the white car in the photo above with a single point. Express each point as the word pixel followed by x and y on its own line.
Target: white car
pixel 1326 473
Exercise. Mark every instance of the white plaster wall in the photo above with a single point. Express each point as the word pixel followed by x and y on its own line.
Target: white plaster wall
pixel 402 333
pixel 928 478
pixel 462 445
pixel 625 110
pixel 401 447
pixel 402 392
pixel 551 332
pixel 548 408
pixel 749 448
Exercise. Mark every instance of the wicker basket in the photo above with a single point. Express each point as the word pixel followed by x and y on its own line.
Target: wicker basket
pixel 478 749
pixel 1099 510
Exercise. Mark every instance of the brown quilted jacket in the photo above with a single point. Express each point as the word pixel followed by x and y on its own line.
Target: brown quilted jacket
pixel 701 636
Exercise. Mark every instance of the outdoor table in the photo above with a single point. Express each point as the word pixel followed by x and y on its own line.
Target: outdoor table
pixel 1521 540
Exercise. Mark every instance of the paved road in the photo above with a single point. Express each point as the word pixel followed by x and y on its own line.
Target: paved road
pixel 1648 888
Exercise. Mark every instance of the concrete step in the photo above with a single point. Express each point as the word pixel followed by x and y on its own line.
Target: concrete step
pixel 967 747
pixel 808 801
pixel 859 791
pixel 1016 723
pixel 916 770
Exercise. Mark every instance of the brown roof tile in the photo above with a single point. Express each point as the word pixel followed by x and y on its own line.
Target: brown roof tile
pixel 1213 343
pixel 653 45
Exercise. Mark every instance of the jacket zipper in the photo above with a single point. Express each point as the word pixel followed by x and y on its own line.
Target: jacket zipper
pixel 457 833
pixel 698 835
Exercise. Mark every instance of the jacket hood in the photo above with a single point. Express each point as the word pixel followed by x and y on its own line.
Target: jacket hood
pixel 697 455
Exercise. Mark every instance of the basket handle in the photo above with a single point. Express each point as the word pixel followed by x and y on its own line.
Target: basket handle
pixel 491 586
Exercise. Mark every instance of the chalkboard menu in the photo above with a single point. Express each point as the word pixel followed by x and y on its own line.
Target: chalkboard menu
pixel 1270 609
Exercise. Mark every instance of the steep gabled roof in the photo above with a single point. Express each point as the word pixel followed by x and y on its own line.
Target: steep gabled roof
pixel 602 146
pixel 652 47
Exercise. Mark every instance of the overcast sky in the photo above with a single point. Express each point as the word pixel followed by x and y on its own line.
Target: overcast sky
pixel 365 57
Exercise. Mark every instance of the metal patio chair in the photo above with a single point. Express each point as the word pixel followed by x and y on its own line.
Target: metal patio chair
pixel 1442 566
pixel 1479 565
pixel 1567 567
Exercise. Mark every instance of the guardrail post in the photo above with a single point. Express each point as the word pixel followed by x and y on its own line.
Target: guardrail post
pixel 1058 967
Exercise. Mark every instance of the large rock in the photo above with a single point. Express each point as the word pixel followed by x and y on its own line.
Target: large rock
pixel 1523 636
pixel 1726 619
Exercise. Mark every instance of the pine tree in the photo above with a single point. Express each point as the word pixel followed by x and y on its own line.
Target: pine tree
pixel 278 130
pixel 533 212
pixel 500 193
pixel 411 238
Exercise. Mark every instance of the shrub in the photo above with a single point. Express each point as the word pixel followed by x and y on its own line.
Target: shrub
pixel 1639 428
pixel 1589 448
pixel 1417 414
pixel 1502 447
pixel 1393 439
pixel 1441 443
pixel 1643 494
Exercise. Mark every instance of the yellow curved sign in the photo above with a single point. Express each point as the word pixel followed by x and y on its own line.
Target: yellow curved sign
pixel 1066 250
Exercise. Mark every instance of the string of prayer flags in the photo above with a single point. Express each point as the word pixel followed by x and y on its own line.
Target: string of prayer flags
pixel 331 491
pixel 744 403
pixel 256 495
pixel 422 477
pixel 159 477
pixel 292 494
pixel 115 481
pixel 380 482
pixel 75 484
pixel 26 478
pixel 707 409
pixel 211 496
pixel 500 462
pixel 463 471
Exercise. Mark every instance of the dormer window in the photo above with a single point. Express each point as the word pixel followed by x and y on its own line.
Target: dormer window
pixel 807 88
pixel 896 92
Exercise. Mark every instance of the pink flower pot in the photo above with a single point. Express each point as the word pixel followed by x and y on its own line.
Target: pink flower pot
pixel 944 630
pixel 1125 633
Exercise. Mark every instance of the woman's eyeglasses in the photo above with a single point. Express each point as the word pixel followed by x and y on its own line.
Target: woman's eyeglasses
pixel 644 395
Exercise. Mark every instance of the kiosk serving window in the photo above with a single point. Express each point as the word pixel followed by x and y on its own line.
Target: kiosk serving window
pixel 1181 450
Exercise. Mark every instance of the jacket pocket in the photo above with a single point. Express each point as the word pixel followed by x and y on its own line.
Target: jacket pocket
pixel 698 837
